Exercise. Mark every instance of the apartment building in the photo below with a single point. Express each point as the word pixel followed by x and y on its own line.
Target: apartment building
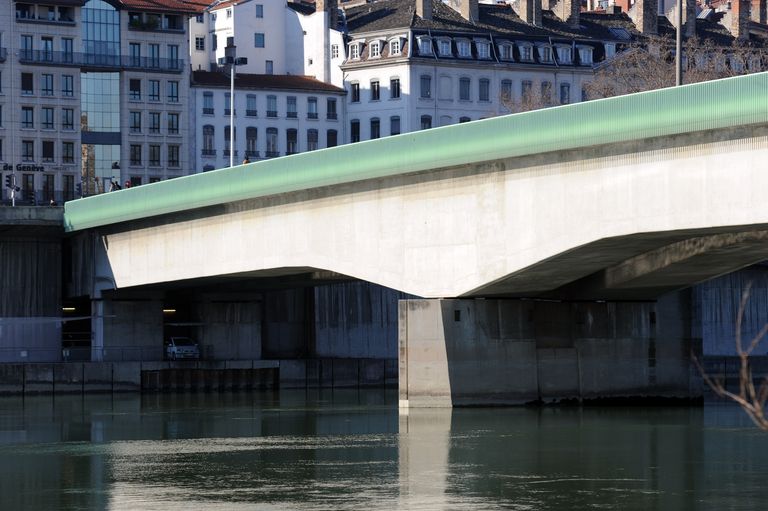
pixel 93 92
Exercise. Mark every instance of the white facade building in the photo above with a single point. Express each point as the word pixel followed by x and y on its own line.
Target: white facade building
pixel 275 115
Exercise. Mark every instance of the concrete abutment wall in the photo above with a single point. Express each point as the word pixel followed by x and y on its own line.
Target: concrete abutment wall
pixel 500 352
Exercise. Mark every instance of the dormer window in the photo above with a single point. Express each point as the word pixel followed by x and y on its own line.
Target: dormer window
pixel 564 54
pixel 585 55
pixel 445 47
pixel 545 53
pixel 464 48
pixel 374 50
pixel 505 51
pixel 526 52
pixel 483 49
pixel 394 47
pixel 354 50
pixel 610 50
pixel 425 45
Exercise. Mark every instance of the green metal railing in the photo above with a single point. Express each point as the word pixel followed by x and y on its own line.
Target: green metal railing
pixel 711 105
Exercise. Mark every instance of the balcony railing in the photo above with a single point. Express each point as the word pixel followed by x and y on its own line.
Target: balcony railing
pixel 291 115
pixel 108 61
pixel 252 113
pixel 251 154
pixel 331 116
pixel 312 115
pixel 272 154
pixel 226 152
pixel 208 111
pixel 208 152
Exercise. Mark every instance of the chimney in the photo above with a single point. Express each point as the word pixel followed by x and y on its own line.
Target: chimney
pixel 647 16
pixel 424 9
pixel 332 8
pixel 740 19
pixel 689 18
pixel 569 10
pixel 467 8
pixel 530 11
pixel 758 12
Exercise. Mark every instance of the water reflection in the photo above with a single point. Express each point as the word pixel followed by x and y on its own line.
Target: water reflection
pixel 351 450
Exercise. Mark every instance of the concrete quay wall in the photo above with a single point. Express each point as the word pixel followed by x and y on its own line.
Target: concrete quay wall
pixel 85 377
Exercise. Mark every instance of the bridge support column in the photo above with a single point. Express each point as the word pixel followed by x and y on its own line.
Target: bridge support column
pixel 127 328
pixel 456 352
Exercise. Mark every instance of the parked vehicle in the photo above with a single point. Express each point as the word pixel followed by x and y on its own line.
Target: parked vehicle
pixel 181 348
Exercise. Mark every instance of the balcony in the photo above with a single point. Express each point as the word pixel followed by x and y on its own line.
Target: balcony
pixel 100 61
pixel 252 113
pixel 291 115
pixel 208 152
pixel 271 113
pixel 227 111
pixel 272 154
pixel 331 116
pixel 226 152
pixel 251 154
pixel 208 111
pixel 312 115
pixel 65 16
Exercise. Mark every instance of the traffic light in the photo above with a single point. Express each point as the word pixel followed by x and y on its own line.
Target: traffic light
pixel 9 180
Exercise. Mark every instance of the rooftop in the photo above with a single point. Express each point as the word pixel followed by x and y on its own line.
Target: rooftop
pixel 255 81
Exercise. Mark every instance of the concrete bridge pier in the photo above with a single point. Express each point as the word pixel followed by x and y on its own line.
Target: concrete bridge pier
pixel 465 352
pixel 127 327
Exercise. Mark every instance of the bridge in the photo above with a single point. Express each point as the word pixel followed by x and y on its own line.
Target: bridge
pixel 592 213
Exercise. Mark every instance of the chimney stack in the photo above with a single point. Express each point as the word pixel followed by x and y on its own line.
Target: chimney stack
pixel 424 9
pixel 467 8
pixel 758 12
pixel 689 18
pixel 568 11
pixel 647 16
pixel 740 19
pixel 530 12
pixel 332 8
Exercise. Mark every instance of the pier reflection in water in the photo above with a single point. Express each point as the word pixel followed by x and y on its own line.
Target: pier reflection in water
pixel 352 450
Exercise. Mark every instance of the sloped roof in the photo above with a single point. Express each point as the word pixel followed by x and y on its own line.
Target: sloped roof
pixel 256 81
pixel 176 6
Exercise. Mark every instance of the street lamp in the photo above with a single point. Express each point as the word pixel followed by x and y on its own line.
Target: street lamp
pixel 679 45
pixel 230 58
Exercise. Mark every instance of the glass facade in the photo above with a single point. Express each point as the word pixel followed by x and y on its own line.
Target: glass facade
pixel 100 101
pixel 101 29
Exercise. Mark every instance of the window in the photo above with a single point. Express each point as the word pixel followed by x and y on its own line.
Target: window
pixel 272 147
pixel 134 89
pixel 173 155
pixel 134 51
pixel 47 147
pixel 355 92
pixel 135 122
pixel 251 149
pixel 208 103
pixel 199 18
pixel 464 84
pixel 464 49
pixel 330 107
pixel 375 90
pixel 354 130
pixel 483 50
pixel 546 93
pixel 484 89
pixel 173 123
pixel 67 86
pixel 27 117
pixel 27 150
pixel 425 86
pixel 227 103
pixel 173 92
pixel 354 51
pixel 526 52
pixel 154 155
pixel 68 152
pixel 46 120
pixel 506 90
pixel 585 55
pixel 200 43
pixel 229 13
pixel 208 140
pixel 291 141
pixel 526 86
pixel 375 49
pixel 425 45
pixel 445 47
pixel 26 47
pixel 311 108
pixel 250 105
pixel 269 67
pixel 135 154
pixel 67 118
pixel 394 125
pixel 258 40
pixel 564 55
pixel 228 140
pixel 394 88
pixel 334 51
pixel 214 42
pixel 67 45
pixel 545 54
pixel 565 93
pixel 375 128
pixel 46 48
pixel 154 122
pixel 271 106
pixel 46 84
pixel 154 55
pixel 426 122
pixel 291 107
pixel 332 138
pixel 259 11
pixel 154 90
pixel 27 87
pixel 505 52
pixel 311 140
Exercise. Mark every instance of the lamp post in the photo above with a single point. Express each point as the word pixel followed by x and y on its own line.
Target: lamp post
pixel 230 57
pixel 679 45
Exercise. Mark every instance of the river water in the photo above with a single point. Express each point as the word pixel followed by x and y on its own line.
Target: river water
pixel 354 450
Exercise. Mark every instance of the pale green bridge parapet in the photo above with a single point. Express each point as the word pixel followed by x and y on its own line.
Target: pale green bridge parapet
pixel 727 103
